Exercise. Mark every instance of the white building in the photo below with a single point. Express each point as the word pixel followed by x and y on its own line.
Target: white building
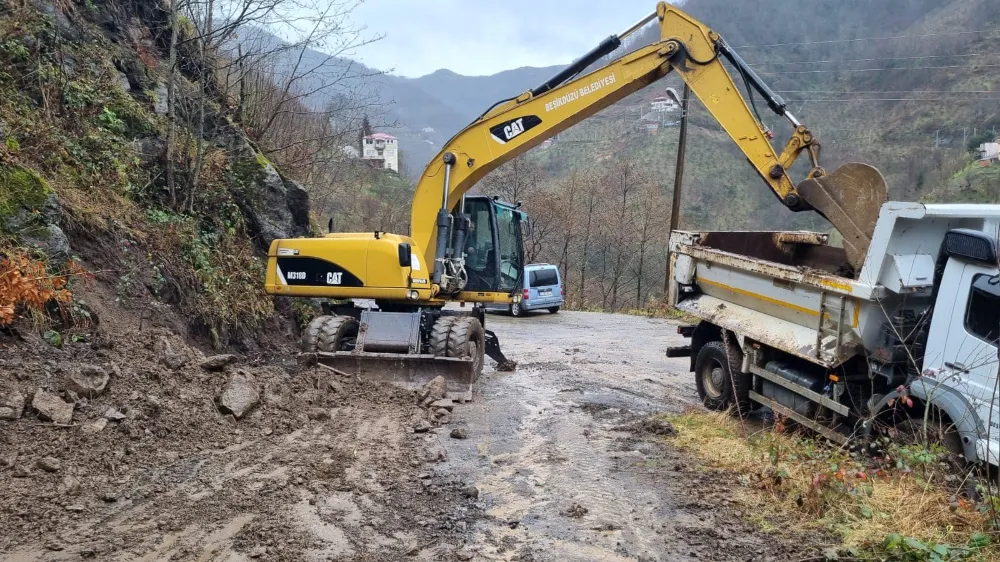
pixel 989 151
pixel 380 146
pixel 351 152
pixel 663 104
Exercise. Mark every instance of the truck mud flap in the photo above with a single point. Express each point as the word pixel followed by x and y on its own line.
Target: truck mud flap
pixel 409 371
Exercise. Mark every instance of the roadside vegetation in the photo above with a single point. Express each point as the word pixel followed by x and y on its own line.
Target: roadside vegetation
pixel 904 502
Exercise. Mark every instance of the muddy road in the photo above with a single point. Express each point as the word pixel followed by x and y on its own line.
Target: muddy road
pixel 555 461
pixel 566 468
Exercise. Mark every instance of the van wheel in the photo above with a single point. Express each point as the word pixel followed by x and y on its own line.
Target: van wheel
pixel 554 309
pixel 515 309
pixel 714 372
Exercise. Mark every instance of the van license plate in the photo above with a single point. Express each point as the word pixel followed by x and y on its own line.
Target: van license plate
pixel 545 293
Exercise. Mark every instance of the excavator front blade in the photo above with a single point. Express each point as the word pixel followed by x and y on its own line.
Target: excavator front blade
pixel 409 371
pixel 850 198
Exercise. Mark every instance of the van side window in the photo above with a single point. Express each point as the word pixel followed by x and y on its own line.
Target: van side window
pixel 982 317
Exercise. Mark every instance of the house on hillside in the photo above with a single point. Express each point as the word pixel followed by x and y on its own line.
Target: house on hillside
pixel 663 104
pixel 989 152
pixel 382 150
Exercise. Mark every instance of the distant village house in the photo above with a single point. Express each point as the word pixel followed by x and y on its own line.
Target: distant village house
pixel 382 150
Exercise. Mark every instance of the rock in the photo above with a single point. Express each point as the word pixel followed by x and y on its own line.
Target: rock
pixel 435 389
pixel 8 461
pixel 123 82
pixel 89 382
pixel 76 508
pixel 279 208
pixel 442 416
pixel 217 362
pixel 240 395
pixel 51 407
pixel 422 426
pixel 50 239
pixel 49 464
pixel 437 454
pixel 278 395
pixel 149 150
pixel 21 471
pixel 70 486
pixel 160 101
pixel 168 355
pixel 445 403
pixel 109 497
pixel 470 492
pixel 464 554
pixel 318 414
pixel 334 386
pixel 576 511
pixel 97 426
pixel 459 433
pixel 257 552
pixel 11 405
pixel 114 415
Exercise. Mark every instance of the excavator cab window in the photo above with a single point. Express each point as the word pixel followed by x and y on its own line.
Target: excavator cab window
pixel 494 254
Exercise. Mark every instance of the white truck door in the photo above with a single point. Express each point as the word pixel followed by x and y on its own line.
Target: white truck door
pixel 969 360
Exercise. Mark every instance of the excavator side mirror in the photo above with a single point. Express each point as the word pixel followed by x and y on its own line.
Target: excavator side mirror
pixel 329 226
pixel 404 255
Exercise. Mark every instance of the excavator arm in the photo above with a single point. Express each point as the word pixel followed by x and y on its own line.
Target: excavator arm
pixel 849 198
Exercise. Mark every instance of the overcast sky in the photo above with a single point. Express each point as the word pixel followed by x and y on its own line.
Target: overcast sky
pixel 480 37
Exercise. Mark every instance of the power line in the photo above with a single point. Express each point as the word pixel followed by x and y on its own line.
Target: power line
pixel 878 69
pixel 886 92
pixel 831 61
pixel 842 100
pixel 860 39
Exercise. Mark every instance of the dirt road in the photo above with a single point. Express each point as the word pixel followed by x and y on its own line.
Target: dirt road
pixel 556 463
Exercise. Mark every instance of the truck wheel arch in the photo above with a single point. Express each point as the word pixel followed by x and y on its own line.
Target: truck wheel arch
pixel 703 333
pixel 951 403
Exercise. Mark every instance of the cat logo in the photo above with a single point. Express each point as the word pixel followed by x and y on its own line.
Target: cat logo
pixel 334 278
pixel 510 129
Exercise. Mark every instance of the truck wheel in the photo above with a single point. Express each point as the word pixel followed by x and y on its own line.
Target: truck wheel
pixel 939 432
pixel 339 333
pixel 516 310
pixel 714 372
pixel 310 338
pixel 438 344
pixel 467 339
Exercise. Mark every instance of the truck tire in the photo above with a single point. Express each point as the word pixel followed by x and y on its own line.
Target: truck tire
pixel 310 337
pixel 438 343
pixel 718 388
pixel 467 339
pixel 339 333
pixel 939 432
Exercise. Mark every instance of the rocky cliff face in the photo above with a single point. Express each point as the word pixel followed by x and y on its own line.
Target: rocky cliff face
pixel 83 164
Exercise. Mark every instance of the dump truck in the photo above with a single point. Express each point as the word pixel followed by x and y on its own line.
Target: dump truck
pixel 906 345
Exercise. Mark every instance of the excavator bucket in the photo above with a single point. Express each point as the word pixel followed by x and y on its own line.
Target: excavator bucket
pixel 850 198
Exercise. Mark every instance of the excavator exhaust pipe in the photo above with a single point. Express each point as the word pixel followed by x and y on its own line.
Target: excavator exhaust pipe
pixel 850 198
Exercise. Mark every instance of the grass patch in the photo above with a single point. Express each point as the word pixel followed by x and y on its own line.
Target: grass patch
pixel 902 505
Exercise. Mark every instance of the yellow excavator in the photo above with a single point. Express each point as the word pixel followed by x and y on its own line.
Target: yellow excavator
pixel 468 249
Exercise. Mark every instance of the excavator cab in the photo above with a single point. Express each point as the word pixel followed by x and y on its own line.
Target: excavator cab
pixel 493 248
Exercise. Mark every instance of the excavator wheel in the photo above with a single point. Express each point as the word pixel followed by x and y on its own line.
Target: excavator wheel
pixel 438 343
pixel 337 334
pixel 467 339
pixel 310 338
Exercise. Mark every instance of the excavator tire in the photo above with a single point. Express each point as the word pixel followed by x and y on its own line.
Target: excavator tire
pixel 310 338
pixel 467 339
pixel 337 334
pixel 438 343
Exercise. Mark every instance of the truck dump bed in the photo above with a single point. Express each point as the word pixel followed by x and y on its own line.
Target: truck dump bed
pixel 793 291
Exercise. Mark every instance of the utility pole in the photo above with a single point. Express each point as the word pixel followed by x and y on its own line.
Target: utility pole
pixel 675 205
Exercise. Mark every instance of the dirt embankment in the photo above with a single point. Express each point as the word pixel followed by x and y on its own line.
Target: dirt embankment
pixel 124 446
